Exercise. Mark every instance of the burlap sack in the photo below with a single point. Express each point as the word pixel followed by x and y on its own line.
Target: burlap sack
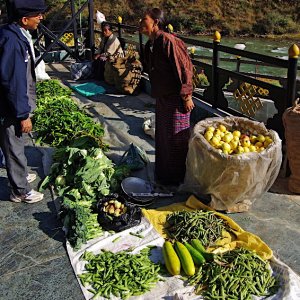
pixel 291 122
pixel 233 181
pixel 126 72
pixel 109 72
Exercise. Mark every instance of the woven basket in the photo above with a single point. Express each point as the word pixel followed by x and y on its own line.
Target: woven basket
pixel 291 122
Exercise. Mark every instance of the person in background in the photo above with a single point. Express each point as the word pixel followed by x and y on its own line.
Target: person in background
pixel 110 46
pixel 170 71
pixel 17 89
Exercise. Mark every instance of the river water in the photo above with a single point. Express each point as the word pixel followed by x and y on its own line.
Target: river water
pixel 270 47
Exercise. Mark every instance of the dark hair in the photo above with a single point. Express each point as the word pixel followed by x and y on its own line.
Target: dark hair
pixel 157 14
pixel 107 25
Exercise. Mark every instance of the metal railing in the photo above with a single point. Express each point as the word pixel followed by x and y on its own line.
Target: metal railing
pixel 213 95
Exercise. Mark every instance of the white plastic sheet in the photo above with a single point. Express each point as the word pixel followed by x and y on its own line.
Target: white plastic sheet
pixel 173 287
pixel 233 181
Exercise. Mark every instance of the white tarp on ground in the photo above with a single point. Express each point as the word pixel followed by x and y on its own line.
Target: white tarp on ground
pixel 172 287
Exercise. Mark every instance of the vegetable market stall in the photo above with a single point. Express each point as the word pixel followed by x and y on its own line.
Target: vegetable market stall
pixel 108 238
pixel 151 232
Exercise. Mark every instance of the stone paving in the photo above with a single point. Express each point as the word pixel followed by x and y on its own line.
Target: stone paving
pixel 33 260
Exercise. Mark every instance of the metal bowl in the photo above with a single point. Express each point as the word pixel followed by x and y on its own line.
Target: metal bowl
pixel 135 185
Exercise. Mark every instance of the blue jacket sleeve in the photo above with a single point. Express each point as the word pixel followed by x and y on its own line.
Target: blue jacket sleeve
pixel 13 77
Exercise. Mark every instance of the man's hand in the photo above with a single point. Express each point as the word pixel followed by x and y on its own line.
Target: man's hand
pixel 188 103
pixel 26 125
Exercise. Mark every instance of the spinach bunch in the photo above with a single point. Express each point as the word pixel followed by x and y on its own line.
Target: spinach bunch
pixel 58 120
pixel 51 88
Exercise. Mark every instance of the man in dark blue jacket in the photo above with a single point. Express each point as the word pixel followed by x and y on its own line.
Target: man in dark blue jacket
pixel 17 93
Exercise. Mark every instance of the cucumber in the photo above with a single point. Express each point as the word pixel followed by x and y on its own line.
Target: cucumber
pixel 185 259
pixel 196 255
pixel 171 259
pixel 199 247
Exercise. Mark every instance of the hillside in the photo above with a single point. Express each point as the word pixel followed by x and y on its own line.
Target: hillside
pixel 231 17
pixel 201 16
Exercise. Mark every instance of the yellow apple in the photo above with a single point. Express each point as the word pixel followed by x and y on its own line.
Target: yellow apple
pixel 246 150
pixel 258 145
pixel 244 136
pixel 245 142
pixel 239 150
pixel 228 137
pixel 261 138
pixel 214 141
pixel 217 132
pixel 208 135
pixel 260 149
pixel 217 136
pixel 236 133
pixel 236 138
pixel 222 128
pixel 226 147
pixel 210 128
pixel 267 138
pixel 253 139
pixel 267 141
pixel 234 144
pixel 252 148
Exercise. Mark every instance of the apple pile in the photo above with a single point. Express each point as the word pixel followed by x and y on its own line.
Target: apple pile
pixel 236 142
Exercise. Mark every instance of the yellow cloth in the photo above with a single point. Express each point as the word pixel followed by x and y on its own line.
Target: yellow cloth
pixel 240 238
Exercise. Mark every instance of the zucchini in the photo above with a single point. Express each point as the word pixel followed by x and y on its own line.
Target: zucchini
pixel 185 259
pixel 171 259
pixel 196 255
pixel 199 247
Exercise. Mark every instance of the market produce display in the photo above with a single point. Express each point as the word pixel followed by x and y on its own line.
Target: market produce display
pixel 86 181
pixel 81 177
pixel 58 119
pixel 235 141
pixel 237 274
pixel 199 224
pixel 121 274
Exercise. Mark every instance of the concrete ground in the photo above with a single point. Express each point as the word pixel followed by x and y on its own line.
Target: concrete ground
pixel 33 260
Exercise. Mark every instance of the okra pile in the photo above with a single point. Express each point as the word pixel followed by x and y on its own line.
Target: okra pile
pixel 236 274
pixel 199 224
pixel 121 274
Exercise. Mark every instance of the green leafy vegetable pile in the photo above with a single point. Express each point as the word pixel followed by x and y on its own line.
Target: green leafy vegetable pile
pixel 81 177
pixel 87 171
pixel 50 88
pixel 58 119
pixel 79 221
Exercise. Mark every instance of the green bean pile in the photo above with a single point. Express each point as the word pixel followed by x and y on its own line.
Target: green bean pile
pixel 200 224
pixel 237 274
pixel 121 274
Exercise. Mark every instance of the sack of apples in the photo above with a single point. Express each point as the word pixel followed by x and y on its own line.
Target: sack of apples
pixel 233 159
